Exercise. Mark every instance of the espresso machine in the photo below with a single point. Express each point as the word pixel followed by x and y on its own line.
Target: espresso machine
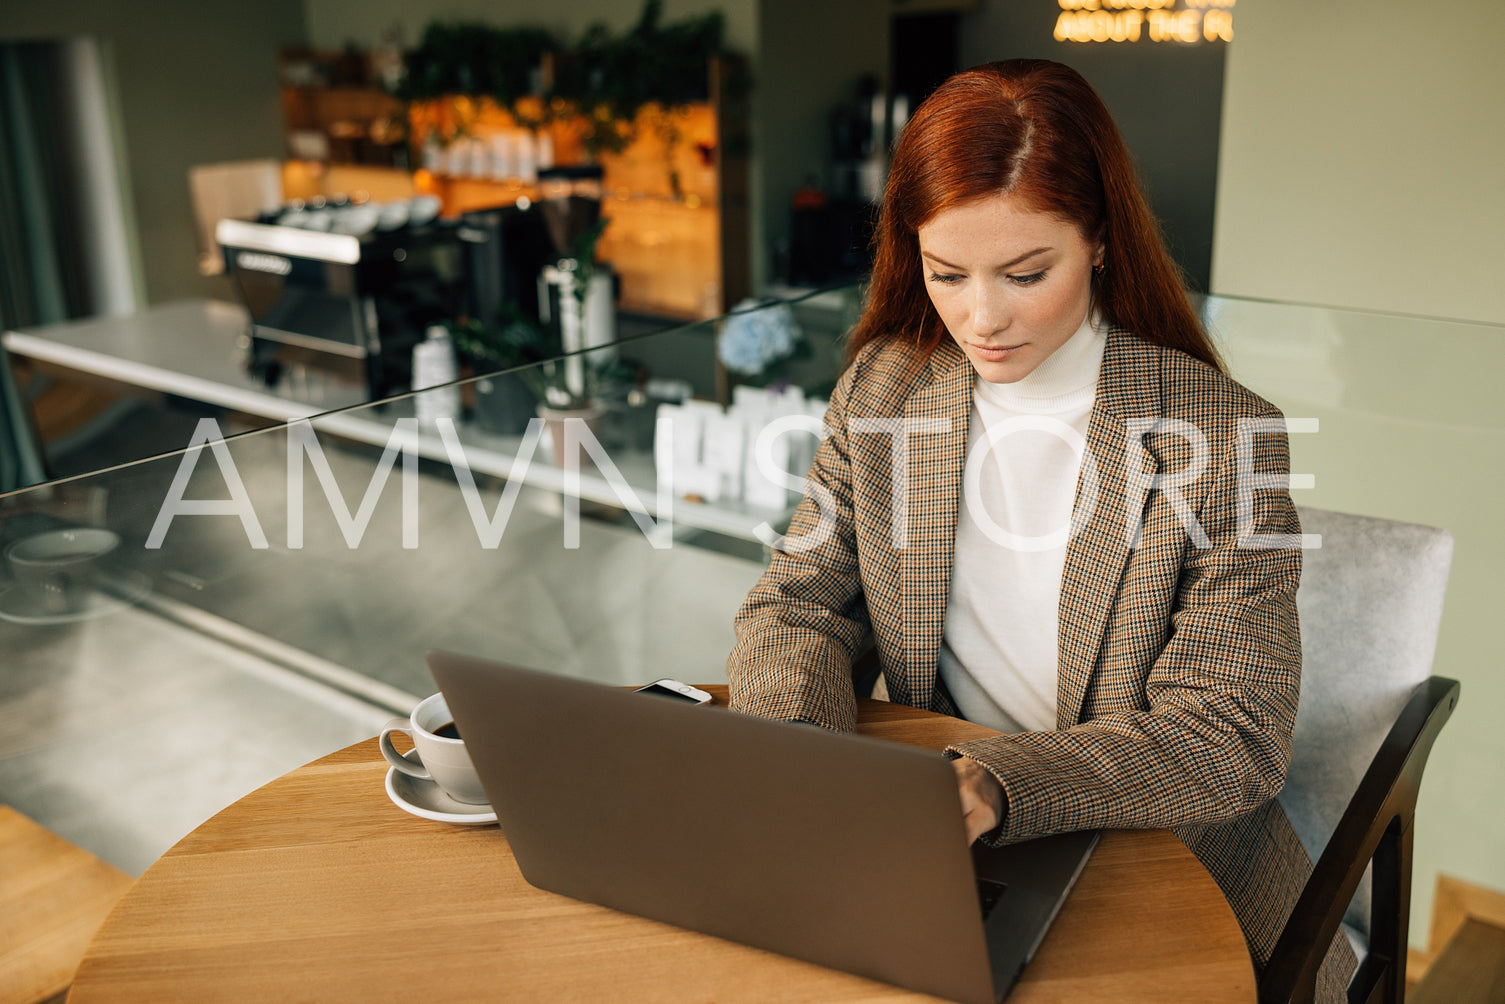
pixel 350 289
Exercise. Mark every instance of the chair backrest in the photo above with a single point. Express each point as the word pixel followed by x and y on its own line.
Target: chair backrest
pixel 1371 603
pixel 238 189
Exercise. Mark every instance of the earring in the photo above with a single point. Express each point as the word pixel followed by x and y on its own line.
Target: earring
pixel 1098 268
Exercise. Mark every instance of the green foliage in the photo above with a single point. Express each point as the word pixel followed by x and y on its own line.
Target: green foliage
pixel 606 78
pixel 617 76
pixel 506 342
pixel 583 253
pixel 511 339
pixel 514 341
pixel 477 60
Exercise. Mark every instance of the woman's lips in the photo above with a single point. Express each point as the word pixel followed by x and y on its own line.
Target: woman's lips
pixel 995 353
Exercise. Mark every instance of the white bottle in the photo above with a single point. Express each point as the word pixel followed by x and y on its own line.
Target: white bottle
pixel 526 158
pixel 480 159
pixel 457 158
pixel 501 157
pixel 434 364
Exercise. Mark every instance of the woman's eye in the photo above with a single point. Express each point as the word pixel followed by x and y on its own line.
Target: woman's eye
pixel 1028 280
pixel 945 280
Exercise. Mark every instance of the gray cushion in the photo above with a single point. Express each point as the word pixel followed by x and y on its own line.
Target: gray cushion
pixel 1357 940
pixel 1370 604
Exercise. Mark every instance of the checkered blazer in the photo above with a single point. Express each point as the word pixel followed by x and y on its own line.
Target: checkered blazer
pixel 1179 664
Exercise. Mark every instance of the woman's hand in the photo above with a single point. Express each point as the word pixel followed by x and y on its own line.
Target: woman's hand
pixel 982 797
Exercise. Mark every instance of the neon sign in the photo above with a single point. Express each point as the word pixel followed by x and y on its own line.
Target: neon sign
pixel 1185 21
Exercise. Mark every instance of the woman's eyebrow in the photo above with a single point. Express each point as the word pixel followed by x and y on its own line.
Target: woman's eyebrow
pixel 1008 264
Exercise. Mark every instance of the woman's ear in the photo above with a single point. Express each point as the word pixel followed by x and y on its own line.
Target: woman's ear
pixel 1099 255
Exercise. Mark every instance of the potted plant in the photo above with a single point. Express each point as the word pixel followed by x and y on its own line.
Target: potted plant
pixel 531 374
pixel 599 86
pixel 494 349
pixel 609 79
pixel 757 342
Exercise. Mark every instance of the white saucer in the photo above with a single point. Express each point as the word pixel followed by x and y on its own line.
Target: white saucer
pixel 113 593
pixel 428 800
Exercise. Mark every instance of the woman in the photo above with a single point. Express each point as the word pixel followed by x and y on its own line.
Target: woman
pixel 1035 501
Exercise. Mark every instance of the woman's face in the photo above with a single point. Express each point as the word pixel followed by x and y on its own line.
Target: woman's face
pixel 1011 284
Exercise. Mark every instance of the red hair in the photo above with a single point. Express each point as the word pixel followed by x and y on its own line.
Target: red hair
pixel 1037 130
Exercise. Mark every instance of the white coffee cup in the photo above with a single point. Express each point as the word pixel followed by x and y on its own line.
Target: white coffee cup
pixel 60 567
pixel 436 758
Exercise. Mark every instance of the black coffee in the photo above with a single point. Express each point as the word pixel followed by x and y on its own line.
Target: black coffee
pixel 448 731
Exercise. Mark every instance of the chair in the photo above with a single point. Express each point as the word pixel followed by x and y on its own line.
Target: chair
pixel 53 897
pixel 1371 604
pixel 238 189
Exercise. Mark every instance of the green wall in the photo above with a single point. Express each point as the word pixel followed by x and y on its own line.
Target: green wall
pixel 1361 167
pixel 1362 150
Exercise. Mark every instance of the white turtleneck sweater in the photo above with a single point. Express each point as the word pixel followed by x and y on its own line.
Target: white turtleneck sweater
pixel 998 652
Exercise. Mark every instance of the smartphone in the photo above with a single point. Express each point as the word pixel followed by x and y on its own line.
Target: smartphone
pixel 677 691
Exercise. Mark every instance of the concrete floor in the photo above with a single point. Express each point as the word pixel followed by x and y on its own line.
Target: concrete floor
pixel 124 731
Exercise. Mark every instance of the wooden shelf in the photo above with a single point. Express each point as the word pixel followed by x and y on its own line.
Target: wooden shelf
pixel 676 196
pixel 332 112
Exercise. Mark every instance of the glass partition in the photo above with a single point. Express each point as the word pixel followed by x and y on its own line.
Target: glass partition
pixel 1405 420
pixel 178 630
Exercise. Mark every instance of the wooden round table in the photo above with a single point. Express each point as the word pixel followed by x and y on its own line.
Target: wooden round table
pixel 316 887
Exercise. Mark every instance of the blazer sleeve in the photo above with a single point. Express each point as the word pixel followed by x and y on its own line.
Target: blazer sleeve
pixel 800 628
pixel 1221 694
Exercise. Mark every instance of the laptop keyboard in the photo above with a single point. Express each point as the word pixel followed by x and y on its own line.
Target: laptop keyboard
pixel 989 893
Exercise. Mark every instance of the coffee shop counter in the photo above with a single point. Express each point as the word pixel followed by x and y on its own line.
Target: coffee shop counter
pixel 191 349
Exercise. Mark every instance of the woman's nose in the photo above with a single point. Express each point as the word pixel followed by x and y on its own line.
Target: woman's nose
pixel 989 311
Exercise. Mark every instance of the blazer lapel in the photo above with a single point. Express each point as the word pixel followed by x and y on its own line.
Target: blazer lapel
pixel 1128 388
pixel 933 498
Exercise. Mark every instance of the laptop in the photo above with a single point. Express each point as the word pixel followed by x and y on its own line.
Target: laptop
pixel 837 849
